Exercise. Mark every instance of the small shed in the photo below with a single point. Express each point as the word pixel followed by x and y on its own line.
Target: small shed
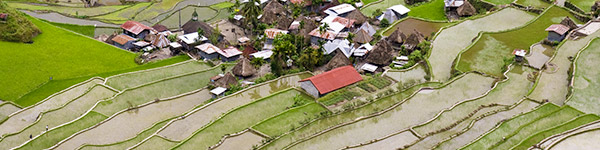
pixel 123 41
pixel 218 92
pixel 368 67
pixel 394 13
pixel 226 81
pixel 243 68
pixel 229 54
pixel 208 51
pixel 519 54
pixel 557 32
pixel 265 54
pixel 330 81
pixel 136 29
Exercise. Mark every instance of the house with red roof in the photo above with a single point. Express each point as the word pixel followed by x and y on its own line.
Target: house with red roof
pixel 330 81
pixel 557 32
pixel 136 29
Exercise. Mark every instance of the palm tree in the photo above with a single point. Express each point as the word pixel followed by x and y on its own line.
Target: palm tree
pixel 323 28
pixel 250 11
pixel 350 37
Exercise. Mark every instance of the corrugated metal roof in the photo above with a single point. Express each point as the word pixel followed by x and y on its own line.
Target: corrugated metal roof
pixel 208 48
pixel 122 39
pixel 334 79
pixel 272 32
pixel 326 35
pixel 229 52
pixel 558 28
pixel 135 27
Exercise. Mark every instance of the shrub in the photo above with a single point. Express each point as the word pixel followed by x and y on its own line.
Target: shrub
pixel 338 96
pixel 384 23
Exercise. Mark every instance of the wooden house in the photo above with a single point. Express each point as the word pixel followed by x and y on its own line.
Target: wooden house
pixel 208 51
pixel 124 41
pixel 136 29
pixel 557 32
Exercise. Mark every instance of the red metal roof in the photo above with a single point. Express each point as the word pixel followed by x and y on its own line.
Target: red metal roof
pixel 135 27
pixel 558 28
pixel 344 21
pixel 326 35
pixel 334 79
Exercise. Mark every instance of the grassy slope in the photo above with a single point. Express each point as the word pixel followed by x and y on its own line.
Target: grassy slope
pixel 17 28
pixel 56 53
pixel 536 138
pixel 534 3
pixel 486 55
pixel 586 5
pixel 289 120
pixel 500 2
pixel 81 29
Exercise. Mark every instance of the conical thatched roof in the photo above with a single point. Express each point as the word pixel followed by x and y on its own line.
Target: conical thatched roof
pixel 569 23
pixel 362 37
pixel 226 81
pixel 284 22
pixel 244 68
pixel 309 25
pixel 396 37
pixel 338 60
pixel 381 54
pixel 413 40
pixel 272 11
pixel 466 9
pixel 358 16
pixel 161 41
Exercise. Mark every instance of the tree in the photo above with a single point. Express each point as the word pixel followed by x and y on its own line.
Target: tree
pixel 384 23
pixel 172 37
pixel 200 31
pixel 250 11
pixel 350 37
pixel 223 68
pixel 310 58
pixel 323 28
pixel 377 12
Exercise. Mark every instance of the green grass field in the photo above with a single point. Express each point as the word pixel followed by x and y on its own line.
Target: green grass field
pixel 500 2
pixel 244 117
pixel 122 15
pixel 585 5
pixel 56 54
pixel 487 54
pixel 289 119
pixel 534 3
pixel 81 29
pixel 222 5
pixel 72 11
pixel 434 10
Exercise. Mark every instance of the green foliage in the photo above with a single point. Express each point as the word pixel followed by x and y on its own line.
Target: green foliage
pixel 365 86
pixel 200 31
pixel 250 12
pixel 310 58
pixel 172 37
pixel 17 28
pixel 266 77
pixel 384 23
pixel 233 88
pixel 257 62
pixel 300 100
pixel 432 10
pixel 377 12
pixel 338 96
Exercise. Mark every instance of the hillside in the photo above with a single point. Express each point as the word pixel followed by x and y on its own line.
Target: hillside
pixel 17 28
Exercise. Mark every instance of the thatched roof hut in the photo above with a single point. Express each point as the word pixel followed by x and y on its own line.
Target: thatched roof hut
pixel 381 54
pixel 569 23
pixel 226 81
pixel 362 37
pixel 338 60
pixel 284 22
pixel 244 68
pixel 358 16
pixel 309 25
pixel 272 11
pixel 466 9
pixel 161 41
pixel 413 40
pixel 193 25
pixel 396 37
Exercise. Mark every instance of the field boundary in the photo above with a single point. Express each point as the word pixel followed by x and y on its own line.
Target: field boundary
pixel 574 71
pixel 216 101
pixel 235 135
pixel 567 133
pixel 230 111
pixel 55 109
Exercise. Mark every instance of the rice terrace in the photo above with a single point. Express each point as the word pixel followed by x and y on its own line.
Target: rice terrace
pixel 300 74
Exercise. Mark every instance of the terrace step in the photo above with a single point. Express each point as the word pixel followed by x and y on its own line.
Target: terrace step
pixel 487 140
pixel 563 115
pixel 539 136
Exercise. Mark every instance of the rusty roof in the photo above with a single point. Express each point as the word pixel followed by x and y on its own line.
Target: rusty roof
pixel 334 79
pixel 122 39
pixel 326 35
pixel 558 28
pixel 344 21
pixel 135 27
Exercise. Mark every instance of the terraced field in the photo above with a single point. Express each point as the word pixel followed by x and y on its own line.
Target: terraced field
pixel 452 40
pixel 487 53
pixel 585 95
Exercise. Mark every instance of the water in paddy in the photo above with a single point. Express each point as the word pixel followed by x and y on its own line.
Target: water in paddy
pixel 409 25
